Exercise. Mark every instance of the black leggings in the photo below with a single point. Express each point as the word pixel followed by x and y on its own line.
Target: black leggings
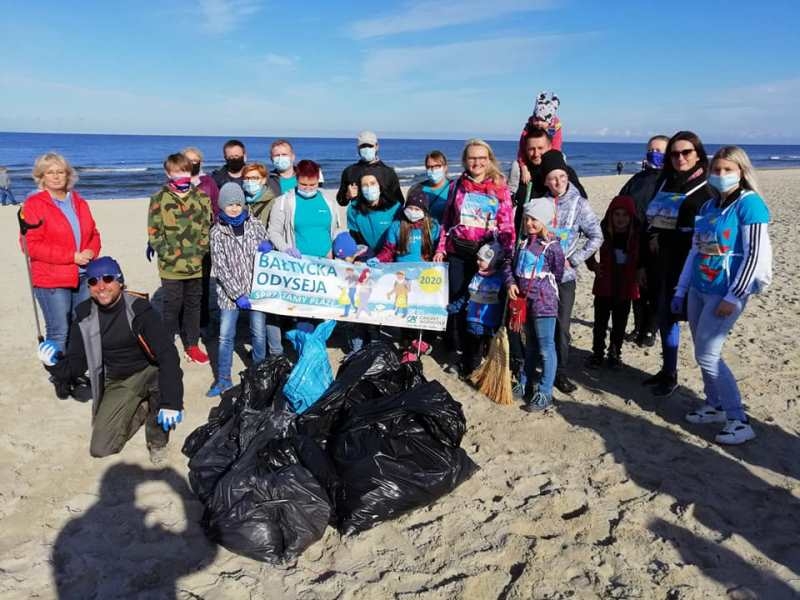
pixel 460 272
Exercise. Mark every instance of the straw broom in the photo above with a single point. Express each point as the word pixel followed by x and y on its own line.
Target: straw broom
pixel 493 377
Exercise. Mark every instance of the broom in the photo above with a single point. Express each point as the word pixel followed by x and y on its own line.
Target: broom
pixel 493 377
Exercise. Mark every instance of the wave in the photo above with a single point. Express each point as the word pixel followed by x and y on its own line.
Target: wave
pixel 111 169
pixel 787 157
pixel 417 169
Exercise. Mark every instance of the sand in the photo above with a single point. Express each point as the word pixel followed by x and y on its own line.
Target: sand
pixel 610 496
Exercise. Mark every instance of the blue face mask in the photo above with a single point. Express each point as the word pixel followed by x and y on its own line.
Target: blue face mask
pixel 307 193
pixel 282 162
pixel 367 153
pixel 724 183
pixel 372 193
pixel 252 188
pixel 435 175
pixel 655 158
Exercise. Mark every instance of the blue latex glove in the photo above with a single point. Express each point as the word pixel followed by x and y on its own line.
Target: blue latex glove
pixel 149 253
pixel 243 302
pixel 169 418
pixel 293 252
pixel 373 262
pixel 265 246
pixel 49 353
pixel 676 304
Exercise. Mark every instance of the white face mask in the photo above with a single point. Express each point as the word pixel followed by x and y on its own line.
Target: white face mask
pixel 372 193
pixel 414 214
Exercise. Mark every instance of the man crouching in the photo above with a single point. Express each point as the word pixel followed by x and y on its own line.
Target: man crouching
pixel 133 366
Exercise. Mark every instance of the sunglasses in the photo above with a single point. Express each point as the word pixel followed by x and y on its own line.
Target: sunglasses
pixel 684 153
pixel 93 281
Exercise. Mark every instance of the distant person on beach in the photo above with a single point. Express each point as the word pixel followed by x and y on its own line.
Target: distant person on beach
pixel 641 187
pixel 578 231
pixel 620 166
pixel 235 239
pixel 544 118
pixel 730 259
pixel 132 363
pixel 436 186
pixel 179 219
pixel 369 164
pixel 6 195
pixel 478 211
pixel 258 192
pixel 235 155
pixel 203 182
pixel 59 248
pixel 680 192
pixel 615 280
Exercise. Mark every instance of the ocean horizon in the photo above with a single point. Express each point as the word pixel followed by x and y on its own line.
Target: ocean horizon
pixel 129 165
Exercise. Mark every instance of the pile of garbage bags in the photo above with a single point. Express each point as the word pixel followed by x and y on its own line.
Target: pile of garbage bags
pixel 380 441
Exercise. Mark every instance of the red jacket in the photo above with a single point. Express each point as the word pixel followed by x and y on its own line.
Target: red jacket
pixel 627 288
pixel 51 247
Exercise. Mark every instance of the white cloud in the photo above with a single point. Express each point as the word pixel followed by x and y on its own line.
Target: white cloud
pixel 418 15
pixel 223 16
pixel 280 60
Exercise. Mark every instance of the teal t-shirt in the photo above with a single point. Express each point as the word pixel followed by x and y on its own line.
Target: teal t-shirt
pixel 287 183
pixel 312 225
pixel 437 200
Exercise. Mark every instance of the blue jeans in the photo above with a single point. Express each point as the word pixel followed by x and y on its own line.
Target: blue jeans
pixel 540 332
pixel 7 197
pixel 58 308
pixel 709 333
pixel 227 335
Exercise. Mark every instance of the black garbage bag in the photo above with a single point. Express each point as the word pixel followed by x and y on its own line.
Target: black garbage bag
pixel 398 453
pixel 217 417
pixel 371 373
pixel 259 408
pixel 265 510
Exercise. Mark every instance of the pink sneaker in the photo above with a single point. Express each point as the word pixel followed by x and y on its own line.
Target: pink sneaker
pixel 421 346
pixel 195 355
pixel 408 356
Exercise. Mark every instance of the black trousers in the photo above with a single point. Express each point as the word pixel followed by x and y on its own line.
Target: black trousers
pixel 475 349
pixel 566 301
pixel 645 315
pixel 460 271
pixel 617 310
pixel 185 294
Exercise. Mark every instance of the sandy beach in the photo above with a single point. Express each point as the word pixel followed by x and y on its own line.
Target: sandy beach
pixel 612 495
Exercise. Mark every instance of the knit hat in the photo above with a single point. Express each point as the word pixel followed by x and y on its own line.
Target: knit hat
pixel 552 160
pixel 491 253
pixel 541 209
pixel 367 137
pixel 230 193
pixel 104 265
pixel 417 198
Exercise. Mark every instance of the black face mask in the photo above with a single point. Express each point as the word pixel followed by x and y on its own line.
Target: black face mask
pixel 195 168
pixel 234 165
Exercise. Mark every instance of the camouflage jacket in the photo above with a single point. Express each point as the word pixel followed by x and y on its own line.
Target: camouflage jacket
pixel 177 229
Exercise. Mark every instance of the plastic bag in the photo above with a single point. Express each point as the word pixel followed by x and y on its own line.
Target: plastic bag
pixel 398 453
pixel 312 374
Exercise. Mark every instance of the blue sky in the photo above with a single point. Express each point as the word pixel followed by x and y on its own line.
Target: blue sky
pixel 454 68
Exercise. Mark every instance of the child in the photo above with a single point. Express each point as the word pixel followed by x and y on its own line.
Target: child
pixel 532 283
pixel 544 117
pixel 400 291
pixel 484 308
pixel 6 195
pixel 615 284
pixel 177 227
pixel 235 239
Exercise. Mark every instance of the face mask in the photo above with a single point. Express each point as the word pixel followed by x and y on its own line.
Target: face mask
pixel 282 163
pixel 234 165
pixel 655 158
pixel 252 188
pixel 372 193
pixel 307 193
pixel 195 169
pixel 367 153
pixel 723 183
pixel 180 184
pixel 435 175
pixel 414 214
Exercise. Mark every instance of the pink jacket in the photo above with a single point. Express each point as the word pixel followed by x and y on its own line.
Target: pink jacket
pixel 475 212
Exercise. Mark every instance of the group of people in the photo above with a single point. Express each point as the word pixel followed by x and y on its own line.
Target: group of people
pixel 685 238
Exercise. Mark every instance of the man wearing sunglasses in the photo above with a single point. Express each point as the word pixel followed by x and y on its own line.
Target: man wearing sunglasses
pixel 133 366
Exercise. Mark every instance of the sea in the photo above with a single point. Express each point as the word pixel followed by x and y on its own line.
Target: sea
pixel 129 166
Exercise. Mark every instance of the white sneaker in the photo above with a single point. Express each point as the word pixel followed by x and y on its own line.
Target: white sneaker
pixel 706 414
pixel 735 432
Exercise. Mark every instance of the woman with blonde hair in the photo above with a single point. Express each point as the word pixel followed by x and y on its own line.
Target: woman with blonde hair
pixel 730 259
pixel 61 246
pixel 478 211
pixel 201 180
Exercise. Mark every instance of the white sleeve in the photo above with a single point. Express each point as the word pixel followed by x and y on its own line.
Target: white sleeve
pixel 756 265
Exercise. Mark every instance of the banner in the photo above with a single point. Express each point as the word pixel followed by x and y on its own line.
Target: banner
pixel 409 294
